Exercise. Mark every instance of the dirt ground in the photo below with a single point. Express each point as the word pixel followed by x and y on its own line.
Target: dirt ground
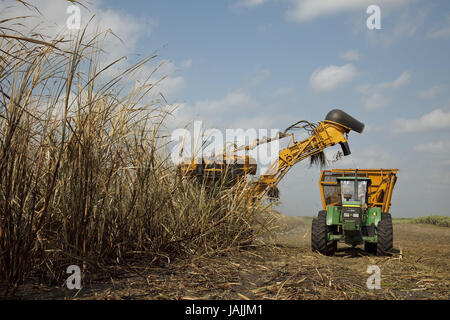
pixel 285 269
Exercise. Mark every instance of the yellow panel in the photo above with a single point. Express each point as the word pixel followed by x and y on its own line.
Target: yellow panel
pixel 380 190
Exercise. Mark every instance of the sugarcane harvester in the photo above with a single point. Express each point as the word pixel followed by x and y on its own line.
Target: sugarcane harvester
pixel 332 131
pixel 356 205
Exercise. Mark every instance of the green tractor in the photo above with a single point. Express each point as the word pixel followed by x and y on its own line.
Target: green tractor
pixel 356 218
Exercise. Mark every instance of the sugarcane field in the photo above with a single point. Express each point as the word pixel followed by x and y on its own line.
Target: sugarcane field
pixel 225 159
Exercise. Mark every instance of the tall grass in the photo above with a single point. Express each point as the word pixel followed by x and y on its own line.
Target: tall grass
pixel 441 221
pixel 84 173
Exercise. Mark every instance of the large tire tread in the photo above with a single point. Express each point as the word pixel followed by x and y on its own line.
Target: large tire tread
pixel 319 232
pixel 385 235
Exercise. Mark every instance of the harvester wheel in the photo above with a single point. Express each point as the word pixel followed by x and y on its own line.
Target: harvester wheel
pixel 319 232
pixel 385 235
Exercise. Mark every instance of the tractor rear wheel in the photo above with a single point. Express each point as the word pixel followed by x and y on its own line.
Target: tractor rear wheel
pixel 319 231
pixel 385 235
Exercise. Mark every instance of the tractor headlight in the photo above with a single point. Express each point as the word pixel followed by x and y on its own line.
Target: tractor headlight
pixel 355 215
pixel 346 215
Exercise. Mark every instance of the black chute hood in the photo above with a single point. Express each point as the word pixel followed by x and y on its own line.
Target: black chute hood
pixel 345 119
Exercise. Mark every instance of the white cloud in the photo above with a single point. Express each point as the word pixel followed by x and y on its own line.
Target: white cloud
pixel 431 93
pixel 376 97
pixel 259 76
pixel 400 81
pixel 442 31
pixel 306 10
pixel 127 27
pixel 249 3
pixel 435 120
pixel 172 85
pixel 434 147
pixel 438 152
pixel 331 77
pixel 283 91
pixel 237 109
pixel 365 89
pixel 163 73
pixel 237 100
pixel 375 101
pixel 127 31
pixel 351 55
pixel 216 113
pixel 51 22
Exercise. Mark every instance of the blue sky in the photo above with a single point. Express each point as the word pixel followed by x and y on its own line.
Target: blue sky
pixel 269 63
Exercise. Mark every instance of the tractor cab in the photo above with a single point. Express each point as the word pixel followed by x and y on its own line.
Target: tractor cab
pixel 354 200
pixel 354 191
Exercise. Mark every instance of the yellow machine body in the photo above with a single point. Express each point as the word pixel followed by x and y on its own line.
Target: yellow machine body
pixel 379 191
pixel 333 130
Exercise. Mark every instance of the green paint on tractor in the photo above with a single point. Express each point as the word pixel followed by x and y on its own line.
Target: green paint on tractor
pixel 352 220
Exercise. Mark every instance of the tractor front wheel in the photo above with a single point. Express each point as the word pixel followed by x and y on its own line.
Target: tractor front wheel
pixel 385 235
pixel 319 231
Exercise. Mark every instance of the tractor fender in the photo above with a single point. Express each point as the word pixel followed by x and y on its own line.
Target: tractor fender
pixel 373 216
pixel 333 215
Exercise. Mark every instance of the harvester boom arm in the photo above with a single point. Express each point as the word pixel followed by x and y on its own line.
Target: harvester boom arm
pixel 333 130
pixel 325 135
